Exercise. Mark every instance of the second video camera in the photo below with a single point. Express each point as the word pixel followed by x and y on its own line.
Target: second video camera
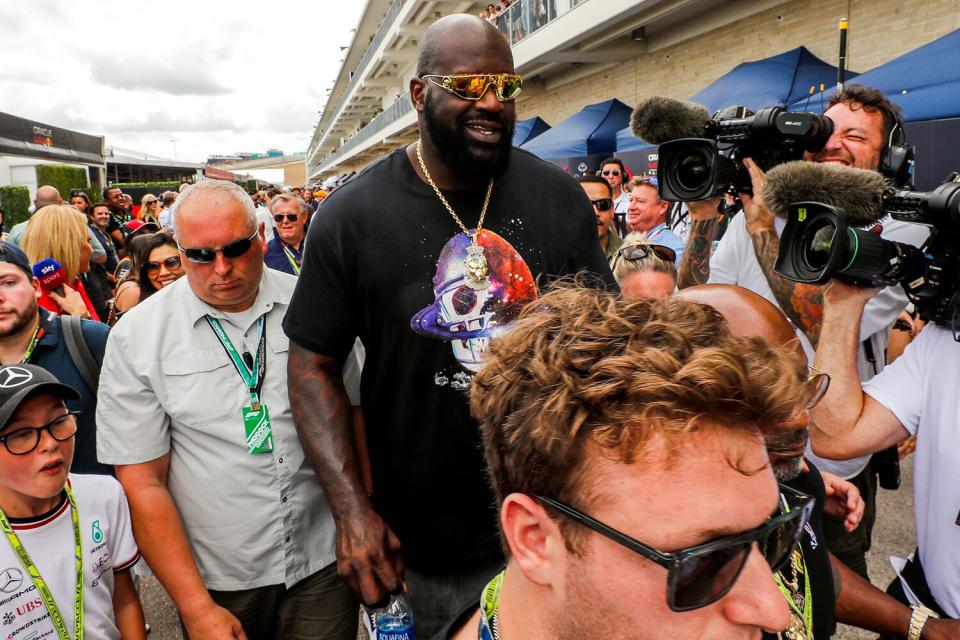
pixel 701 168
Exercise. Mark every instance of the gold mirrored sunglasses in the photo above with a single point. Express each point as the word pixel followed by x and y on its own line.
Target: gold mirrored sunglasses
pixel 472 86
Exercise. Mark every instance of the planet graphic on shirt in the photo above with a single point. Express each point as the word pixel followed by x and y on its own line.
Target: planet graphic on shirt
pixel 468 316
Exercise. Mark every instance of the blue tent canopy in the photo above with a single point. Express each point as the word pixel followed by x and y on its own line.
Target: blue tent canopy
pixel 526 130
pixel 589 132
pixel 925 82
pixel 777 81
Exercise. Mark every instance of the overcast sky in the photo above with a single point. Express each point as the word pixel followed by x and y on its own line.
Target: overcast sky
pixel 218 77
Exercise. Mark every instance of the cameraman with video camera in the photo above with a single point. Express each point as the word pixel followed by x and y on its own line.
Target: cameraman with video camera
pixel 904 400
pixel 866 134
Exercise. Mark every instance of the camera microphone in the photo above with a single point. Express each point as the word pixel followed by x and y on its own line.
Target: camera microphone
pixel 51 275
pixel 659 119
pixel 858 191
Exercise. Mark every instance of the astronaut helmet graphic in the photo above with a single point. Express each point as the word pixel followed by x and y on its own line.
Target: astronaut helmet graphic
pixel 468 316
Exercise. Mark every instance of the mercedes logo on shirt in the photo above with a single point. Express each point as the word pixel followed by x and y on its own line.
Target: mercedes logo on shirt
pixel 11 377
pixel 10 580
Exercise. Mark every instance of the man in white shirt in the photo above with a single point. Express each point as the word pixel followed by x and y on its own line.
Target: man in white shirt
pixel 863 122
pixel 913 396
pixel 196 419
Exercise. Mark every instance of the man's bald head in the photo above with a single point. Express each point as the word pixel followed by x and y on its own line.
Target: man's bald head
pixel 456 37
pixel 47 195
pixel 747 313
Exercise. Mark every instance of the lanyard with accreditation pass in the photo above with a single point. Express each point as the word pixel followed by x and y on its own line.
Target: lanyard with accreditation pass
pixel 294 263
pixel 256 420
pixel 27 562
pixel 489 606
pixel 37 334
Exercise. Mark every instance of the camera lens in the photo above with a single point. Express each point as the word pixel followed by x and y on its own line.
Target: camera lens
pixel 818 244
pixel 692 170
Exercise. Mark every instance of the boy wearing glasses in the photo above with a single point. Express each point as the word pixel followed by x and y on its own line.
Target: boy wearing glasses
pixel 598 442
pixel 69 545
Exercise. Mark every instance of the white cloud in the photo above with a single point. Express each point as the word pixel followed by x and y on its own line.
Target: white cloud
pixel 215 77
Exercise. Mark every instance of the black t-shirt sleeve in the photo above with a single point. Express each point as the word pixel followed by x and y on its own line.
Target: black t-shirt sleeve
pixel 322 316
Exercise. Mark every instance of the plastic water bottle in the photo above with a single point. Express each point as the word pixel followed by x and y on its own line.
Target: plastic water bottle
pixel 394 621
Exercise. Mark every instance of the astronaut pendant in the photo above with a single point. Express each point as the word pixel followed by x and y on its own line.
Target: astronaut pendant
pixel 477 269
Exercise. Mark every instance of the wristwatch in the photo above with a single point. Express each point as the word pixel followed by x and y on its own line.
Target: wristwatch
pixel 918 619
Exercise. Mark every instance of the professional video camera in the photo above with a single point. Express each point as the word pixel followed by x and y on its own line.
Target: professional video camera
pixel 826 239
pixel 702 156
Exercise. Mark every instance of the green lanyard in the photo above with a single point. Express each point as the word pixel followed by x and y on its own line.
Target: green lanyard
pixel 292 260
pixel 37 334
pixel 40 583
pixel 489 604
pixel 252 377
pixel 807 613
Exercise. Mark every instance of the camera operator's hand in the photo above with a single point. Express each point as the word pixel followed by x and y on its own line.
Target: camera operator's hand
pixel 757 216
pixel 704 209
pixel 847 297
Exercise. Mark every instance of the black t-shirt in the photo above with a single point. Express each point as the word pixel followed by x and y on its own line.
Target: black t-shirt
pixel 384 261
pixel 816 559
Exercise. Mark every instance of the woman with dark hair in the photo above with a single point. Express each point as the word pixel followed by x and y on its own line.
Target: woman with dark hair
pixel 80 200
pixel 161 267
pixel 127 293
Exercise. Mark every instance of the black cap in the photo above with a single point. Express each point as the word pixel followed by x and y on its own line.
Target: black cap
pixel 17 381
pixel 13 254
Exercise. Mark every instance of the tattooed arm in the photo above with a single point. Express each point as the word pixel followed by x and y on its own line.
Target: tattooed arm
pixel 802 303
pixel 368 553
pixel 695 264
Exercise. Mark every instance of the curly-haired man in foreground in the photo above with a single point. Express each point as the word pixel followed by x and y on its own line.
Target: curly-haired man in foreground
pixel 623 441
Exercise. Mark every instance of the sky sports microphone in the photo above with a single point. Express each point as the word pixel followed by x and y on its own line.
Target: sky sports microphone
pixel 51 275
pixel 658 120
pixel 857 191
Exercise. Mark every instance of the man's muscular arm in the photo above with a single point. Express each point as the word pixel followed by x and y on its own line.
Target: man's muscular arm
pixel 695 264
pixel 368 553
pixel 802 303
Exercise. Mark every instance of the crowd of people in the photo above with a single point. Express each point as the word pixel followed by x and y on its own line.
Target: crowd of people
pixel 536 407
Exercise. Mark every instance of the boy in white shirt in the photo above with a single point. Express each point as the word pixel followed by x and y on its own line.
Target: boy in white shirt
pixel 67 543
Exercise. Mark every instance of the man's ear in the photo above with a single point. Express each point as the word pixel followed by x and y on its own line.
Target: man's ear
pixel 535 541
pixel 36 287
pixel 418 90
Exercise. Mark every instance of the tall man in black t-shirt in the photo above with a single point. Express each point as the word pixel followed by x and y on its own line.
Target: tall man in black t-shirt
pixel 425 256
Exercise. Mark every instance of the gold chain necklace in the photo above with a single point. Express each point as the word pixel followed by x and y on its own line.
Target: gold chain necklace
pixel 477 268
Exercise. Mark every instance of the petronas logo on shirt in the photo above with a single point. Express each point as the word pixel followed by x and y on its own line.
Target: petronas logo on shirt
pixel 96 534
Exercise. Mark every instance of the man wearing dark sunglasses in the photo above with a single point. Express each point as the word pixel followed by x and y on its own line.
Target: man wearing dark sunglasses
pixel 600 195
pixel 425 255
pixel 197 421
pixel 611 526
pixel 285 251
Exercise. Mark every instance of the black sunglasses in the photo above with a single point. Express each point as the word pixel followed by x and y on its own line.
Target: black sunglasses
pixel 291 217
pixel 602 204
pixel 232 250
pixel 700 575
pixel 641 251
pixel 611 172
pixel 171 263
pixel 23 441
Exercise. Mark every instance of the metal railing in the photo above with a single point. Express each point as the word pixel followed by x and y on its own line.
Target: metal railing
pixel 525 17
pixel 400 107
pixel 378 37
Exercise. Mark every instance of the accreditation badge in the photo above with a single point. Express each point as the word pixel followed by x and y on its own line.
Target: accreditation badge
pixel 256 427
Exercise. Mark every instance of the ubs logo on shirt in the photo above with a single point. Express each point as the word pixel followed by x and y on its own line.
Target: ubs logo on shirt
pixel 468 317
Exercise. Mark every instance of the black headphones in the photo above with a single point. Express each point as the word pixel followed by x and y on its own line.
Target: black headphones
pixel 896 161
